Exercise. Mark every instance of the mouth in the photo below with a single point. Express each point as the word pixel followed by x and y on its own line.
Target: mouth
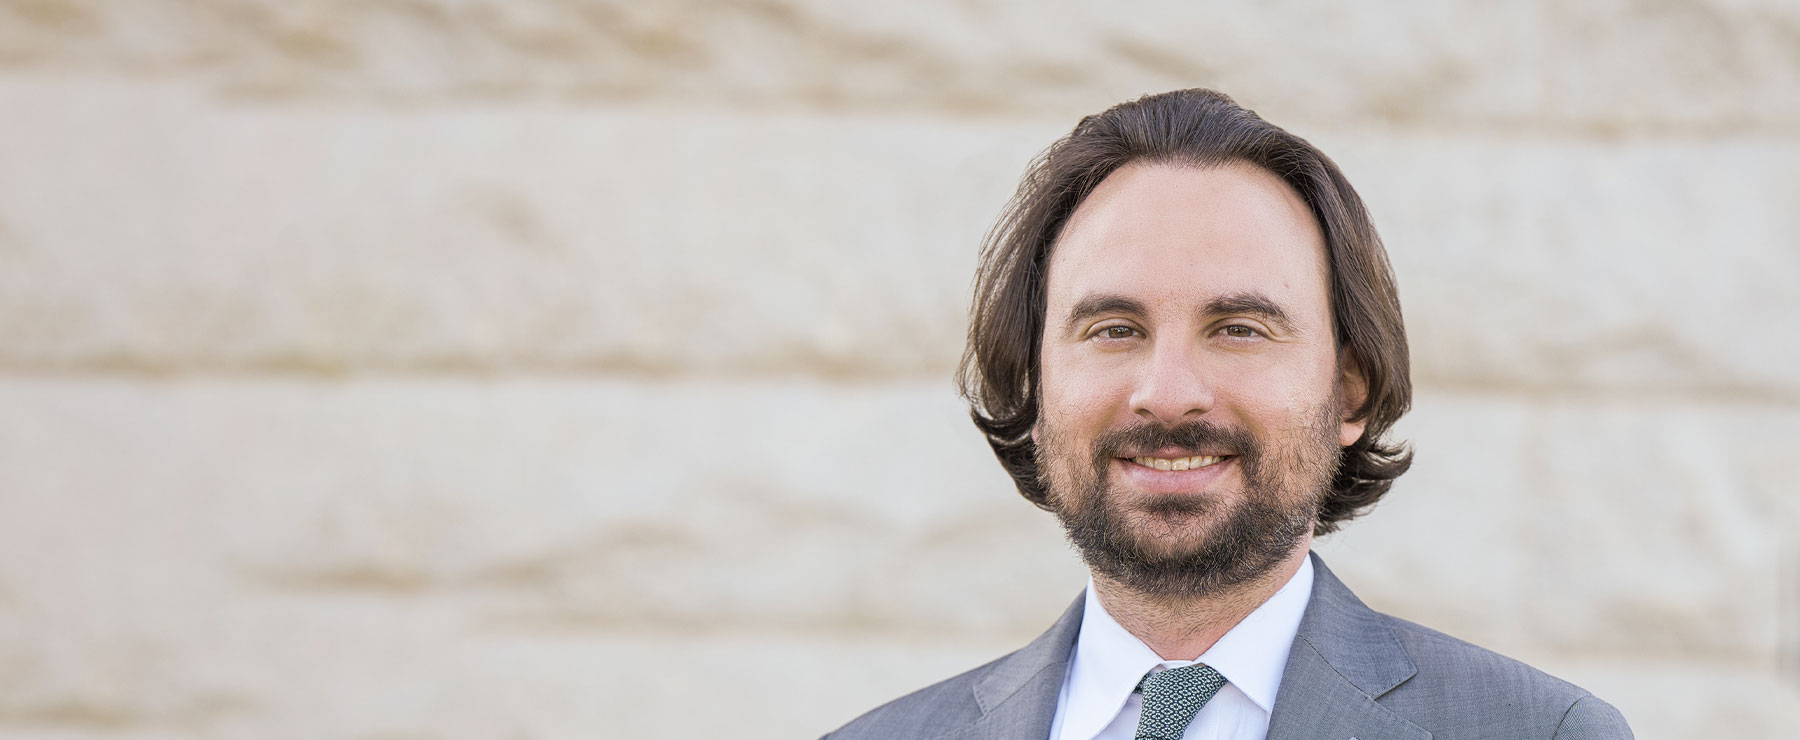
pixel 1168 472
pixel 1194 462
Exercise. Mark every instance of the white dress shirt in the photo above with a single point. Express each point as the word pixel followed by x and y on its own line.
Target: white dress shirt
pixel 1097 700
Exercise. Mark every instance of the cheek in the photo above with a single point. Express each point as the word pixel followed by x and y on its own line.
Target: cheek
pixel 1279 399
pixel 1073 413
pixel 1073 399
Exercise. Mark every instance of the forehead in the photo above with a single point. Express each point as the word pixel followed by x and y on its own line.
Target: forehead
pixel 1167 232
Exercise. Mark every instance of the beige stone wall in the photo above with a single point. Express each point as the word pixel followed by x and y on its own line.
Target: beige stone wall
pixel 464 369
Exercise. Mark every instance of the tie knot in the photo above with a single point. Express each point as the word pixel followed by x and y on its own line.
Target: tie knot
pixel 1173 697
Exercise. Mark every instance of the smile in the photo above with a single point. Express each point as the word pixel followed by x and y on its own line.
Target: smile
pixel 1178 463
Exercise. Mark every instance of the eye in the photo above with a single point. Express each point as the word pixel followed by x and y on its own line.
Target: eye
pixel 1240 331
pixel 1117 332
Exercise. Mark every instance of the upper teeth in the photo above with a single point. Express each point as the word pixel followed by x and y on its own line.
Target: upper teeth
pixel 1177 463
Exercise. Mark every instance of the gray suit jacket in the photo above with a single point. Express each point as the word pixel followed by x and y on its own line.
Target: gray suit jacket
pixel 1352 673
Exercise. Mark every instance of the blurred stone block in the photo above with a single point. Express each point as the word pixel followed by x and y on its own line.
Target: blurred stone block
pixel 1606 67
pixel 332 559
pixel 209 237
pixel 1590 527
pixel 545 238
pixel 1607 267
pixel 229 556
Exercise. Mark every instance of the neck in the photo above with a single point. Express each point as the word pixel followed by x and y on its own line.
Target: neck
pixel 1184 627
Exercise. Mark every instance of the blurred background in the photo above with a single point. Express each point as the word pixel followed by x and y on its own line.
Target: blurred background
pixel 481 369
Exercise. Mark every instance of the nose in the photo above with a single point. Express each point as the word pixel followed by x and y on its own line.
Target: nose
pixel 1172 387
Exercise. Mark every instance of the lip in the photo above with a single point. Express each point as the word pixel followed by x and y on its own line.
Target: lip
pixel 1154 481
pixel 1173 452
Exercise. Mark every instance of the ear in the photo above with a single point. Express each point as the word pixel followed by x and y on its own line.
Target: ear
pixel 1353 389
pixel 1034 433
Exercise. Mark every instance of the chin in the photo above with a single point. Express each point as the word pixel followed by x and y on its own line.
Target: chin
pixel 1180 536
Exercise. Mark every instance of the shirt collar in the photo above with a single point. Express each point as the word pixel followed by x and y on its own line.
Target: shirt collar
pixel 1109 661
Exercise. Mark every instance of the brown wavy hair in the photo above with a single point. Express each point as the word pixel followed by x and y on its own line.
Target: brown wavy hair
pixel 1202 128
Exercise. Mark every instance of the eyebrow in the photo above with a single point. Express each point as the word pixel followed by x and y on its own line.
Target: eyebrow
pixel 1252 304
pixel 1248 303
pixel 1099 304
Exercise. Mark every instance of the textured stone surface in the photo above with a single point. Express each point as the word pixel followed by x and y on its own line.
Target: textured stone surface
pixel 1589 527
pixel 1613 268
pixel 546 238
pixel 493 559
pixel 1705 66
pixel 473 558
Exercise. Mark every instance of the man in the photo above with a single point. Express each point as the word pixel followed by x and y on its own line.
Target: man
pixel 1186 343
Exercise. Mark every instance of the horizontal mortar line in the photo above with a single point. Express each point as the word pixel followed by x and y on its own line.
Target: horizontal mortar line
pixel 1776 130
pixel 1768 396
pixel 447 371
pixel 814 631
pixel 951 637
pixel 1763 396
pixel 456 367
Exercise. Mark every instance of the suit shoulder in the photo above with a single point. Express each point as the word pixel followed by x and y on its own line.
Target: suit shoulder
pixel 926 713
pixel 1475 682
pixel 1592 719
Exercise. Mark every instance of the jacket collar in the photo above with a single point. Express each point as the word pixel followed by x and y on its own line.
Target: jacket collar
pixel 1018 695
pixel 1343 659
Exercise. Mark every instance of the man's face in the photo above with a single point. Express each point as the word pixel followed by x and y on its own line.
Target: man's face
pixel 1193 408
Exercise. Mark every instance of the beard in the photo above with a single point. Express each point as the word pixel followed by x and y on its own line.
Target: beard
pixel 1190 544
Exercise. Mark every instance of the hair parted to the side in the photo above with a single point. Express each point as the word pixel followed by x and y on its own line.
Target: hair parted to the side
pixel 999 372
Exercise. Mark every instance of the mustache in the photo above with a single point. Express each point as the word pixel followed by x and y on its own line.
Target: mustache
pixel 1192 436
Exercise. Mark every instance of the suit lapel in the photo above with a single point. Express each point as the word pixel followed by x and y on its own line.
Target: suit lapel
pixel 1018 695
pixel 1344 657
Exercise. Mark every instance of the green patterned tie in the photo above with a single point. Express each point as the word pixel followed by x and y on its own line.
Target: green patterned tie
pixel 1173 697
